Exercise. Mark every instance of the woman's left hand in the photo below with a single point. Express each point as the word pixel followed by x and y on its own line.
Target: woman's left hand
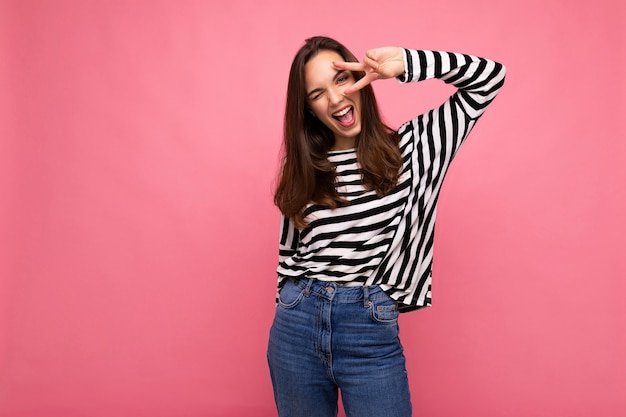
pixel 379 63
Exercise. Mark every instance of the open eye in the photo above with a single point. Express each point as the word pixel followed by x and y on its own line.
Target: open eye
pixel 342 78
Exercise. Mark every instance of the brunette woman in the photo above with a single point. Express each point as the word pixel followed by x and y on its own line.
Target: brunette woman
pixel 358 202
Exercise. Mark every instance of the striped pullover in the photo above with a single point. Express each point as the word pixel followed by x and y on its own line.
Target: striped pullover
pixel 388 241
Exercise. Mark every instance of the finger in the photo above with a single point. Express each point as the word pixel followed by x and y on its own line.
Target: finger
pixel 361 83
pixel 371 63
pixel 372 54
pixel 350 66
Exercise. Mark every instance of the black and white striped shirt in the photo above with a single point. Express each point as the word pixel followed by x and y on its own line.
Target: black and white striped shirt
pixel 388 241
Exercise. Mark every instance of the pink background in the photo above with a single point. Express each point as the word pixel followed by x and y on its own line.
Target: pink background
pixel 138 239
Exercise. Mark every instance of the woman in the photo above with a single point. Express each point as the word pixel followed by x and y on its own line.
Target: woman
pixel 358 203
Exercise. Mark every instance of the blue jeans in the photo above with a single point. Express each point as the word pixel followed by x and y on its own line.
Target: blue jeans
pixel 327 338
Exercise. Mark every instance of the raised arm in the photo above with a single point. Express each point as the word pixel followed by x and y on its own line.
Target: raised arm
pixel 478 79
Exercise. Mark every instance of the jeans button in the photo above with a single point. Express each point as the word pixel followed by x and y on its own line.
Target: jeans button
pixel 329 290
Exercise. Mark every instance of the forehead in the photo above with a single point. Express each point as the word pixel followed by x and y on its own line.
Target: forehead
pixel 320 70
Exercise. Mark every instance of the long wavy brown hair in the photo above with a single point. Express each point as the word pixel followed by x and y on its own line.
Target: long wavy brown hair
pixel 307 176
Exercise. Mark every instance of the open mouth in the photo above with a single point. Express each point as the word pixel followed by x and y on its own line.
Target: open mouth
pixel 345 117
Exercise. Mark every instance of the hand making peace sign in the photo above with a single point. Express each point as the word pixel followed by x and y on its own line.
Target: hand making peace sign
pixel 379 63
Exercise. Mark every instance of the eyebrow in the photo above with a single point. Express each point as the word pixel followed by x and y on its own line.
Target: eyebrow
pixel 315 90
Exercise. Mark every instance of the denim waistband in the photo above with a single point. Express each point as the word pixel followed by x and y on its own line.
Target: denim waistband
pixel 340 293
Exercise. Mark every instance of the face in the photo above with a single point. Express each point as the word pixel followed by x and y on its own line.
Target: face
pixel 325 85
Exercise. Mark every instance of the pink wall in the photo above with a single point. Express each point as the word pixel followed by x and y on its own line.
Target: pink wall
pixel 139 141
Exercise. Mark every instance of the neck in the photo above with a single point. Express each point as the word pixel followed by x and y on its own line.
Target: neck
pixel 342 144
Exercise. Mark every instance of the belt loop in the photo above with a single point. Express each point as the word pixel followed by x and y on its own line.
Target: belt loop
pixel 307 289
pixel 366 296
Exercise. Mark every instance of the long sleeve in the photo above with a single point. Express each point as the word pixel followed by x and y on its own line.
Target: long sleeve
pixel 429 143
pixel 287 245
pixel 289 237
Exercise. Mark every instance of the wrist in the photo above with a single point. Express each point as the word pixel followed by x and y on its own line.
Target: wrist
pixel 404 75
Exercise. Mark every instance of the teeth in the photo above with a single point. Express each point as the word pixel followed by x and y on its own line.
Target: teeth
pixel 342 112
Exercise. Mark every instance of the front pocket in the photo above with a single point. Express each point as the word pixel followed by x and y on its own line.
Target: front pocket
pixel 385 312
pixel 290 295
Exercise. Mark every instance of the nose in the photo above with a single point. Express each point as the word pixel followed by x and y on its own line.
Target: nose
pixel 335 95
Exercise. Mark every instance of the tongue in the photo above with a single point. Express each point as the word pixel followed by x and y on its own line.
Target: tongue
pixel 346 118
